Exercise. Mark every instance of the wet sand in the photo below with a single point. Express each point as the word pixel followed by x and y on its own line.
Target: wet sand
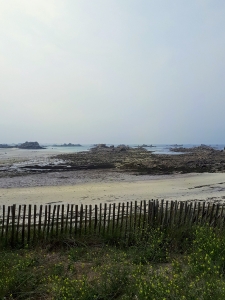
pixel 121 188
pixel 15 154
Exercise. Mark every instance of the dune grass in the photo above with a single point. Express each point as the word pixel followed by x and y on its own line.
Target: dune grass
pixel 182 263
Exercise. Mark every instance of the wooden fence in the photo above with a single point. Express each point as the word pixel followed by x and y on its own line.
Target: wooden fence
pixel 25 224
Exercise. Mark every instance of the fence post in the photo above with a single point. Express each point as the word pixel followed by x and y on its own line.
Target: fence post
pixel 67 218
pixel 53 219
pixel 127 212
pixel 7 223
pixel 35 212
pixel 76 218
pixel 85 220
pixel 90 217
pixel 3 219
pixel 13 224
pixel 57 220
pixel 135 215
pixel 100 218
pixel 62 220
pixel 96 218
pixel 81 218
pixel 104 220
pixel 113 225
pixel 18 224
pixel 23 228
pixel 118 218
pixel 121 223
pixel 39 221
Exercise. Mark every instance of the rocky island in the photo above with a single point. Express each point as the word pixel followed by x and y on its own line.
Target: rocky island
pixel 6 146
pixel 30 145
pixel 68 145
pixel 26 145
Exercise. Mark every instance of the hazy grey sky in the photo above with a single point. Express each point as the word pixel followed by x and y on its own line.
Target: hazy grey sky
pixel 113 71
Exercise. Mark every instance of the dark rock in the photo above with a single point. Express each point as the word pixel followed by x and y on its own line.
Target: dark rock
pixel 112 148
pixel 68 145
pixel 6 146
pixel 30 145
pixel 147 146
pixel 193 149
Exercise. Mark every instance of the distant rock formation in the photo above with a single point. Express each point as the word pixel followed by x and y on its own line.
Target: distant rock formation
pixel 68 145
pixel 112 148
pixel 30 145
pixel 193 149
pixel 5 146
pixel 147 146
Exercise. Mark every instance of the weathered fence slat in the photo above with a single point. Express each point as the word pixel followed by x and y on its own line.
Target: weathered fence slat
pixel 109 215
pixel 85 220
pixel 49 220
pixel 62 220
pixel 7 222
pixel 71 220
pixel 29 223
pixel 45 220
pixel 118 217
pixel 39 221
pixel 135 215
pixel 90 217
pixel 96 218
pixel 140 215
pixel 18 224
pixel 13 224
pixel 35 215
pixel 104 220
pixel 126 224
pixel 53 220
pixel 76 219
pixel 67 217
pixel 57 220
pixel 81 218
pixel 122 218
pixel 126 220
pixel 100 218
pixel 114 215
pixel 3 219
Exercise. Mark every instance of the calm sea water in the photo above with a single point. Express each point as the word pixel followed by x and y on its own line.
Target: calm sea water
pixel 158 148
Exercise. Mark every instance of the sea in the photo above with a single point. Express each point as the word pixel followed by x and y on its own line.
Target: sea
pixel 155 148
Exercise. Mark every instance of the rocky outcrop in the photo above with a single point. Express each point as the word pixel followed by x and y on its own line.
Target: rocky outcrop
pixel 68 145
pixel 112 148
pixel 147 146
pixel 30 145
pixel 193 149
pixel 139 160
pixel 136 160
pixel 5 146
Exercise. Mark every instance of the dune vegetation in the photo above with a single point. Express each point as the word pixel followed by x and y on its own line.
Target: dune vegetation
pixel 169 263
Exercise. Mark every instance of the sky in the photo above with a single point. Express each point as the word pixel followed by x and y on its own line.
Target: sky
pixel 115 71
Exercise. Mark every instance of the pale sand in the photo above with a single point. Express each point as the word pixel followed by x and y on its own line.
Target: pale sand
pixel 207 186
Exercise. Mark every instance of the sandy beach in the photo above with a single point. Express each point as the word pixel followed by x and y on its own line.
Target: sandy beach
pixel 100 186
pixel 209 187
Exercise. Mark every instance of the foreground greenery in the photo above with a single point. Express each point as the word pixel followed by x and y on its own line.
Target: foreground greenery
pixel 183 263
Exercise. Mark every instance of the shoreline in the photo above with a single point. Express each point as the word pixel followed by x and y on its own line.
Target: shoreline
pixel 133 175
pixel 192 187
